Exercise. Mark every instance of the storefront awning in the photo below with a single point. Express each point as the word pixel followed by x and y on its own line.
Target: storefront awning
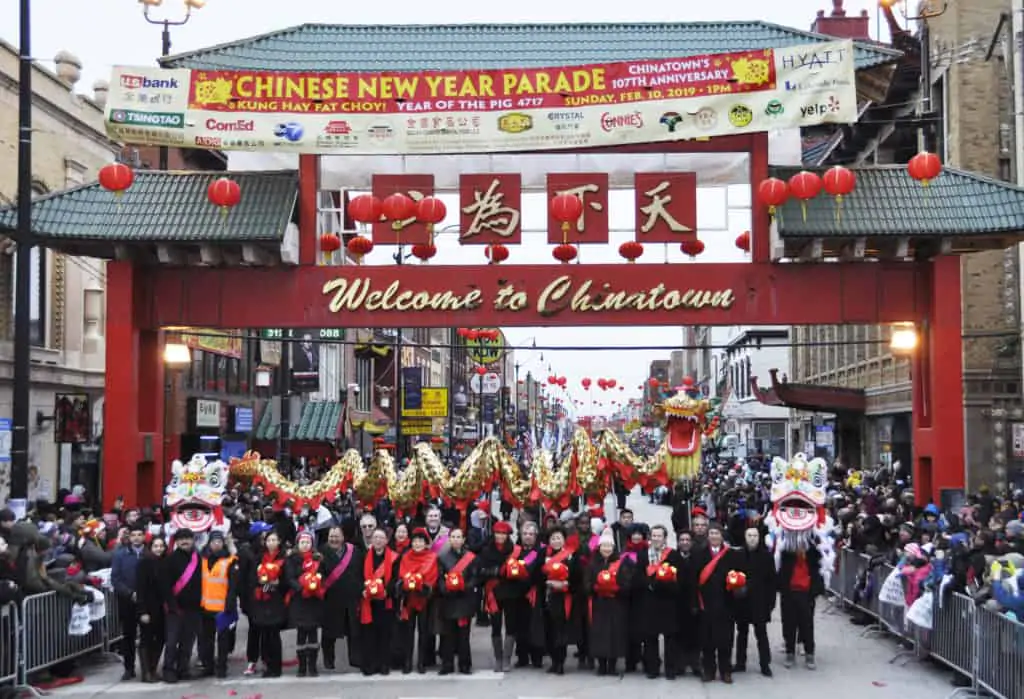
pixel 810 397
pixel 377 422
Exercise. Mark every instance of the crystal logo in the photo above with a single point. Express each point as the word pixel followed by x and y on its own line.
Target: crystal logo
pixel 138 82
pixel 611 122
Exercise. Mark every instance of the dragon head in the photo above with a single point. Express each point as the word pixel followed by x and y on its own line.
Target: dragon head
pixel 195 492
pixel 686 420
pixel 798 492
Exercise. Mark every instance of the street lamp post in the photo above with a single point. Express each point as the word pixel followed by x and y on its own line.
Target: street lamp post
pixel 165 43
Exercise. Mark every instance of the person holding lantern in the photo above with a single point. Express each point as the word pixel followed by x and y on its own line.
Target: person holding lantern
pixel 719 580
pixel 343 584
pixel 305 596
pixel 608 584
pixel 266 588
pixel 417 580
pixel 560 575
pixel 657 592
pixel 755 608
pixel 458 602
pixel 376 610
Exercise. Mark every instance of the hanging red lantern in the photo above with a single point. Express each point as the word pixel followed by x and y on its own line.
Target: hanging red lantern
pixel 329 242
pixel 561 381
pixel 461 332
pixel 481 370
pixel 804 186
pixel 424 251
pixel 496 253
pixel 116 178
pixel 602 384
pixel 472 335
pixel 398 208
pixel 743 241
pixel 566 209
pixel 692 247
pixel 365 209
pixel 631 250
pixel 585 383
pixel 924 167
pixel 552 379
pixel 773 192
pixel 430 210
pixel 653 382
pixel 611 383
pixel 839 182
pixel 225 193
pixel 359 247
pixel 564 253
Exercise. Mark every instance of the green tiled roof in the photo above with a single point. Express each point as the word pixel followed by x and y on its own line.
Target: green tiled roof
pixel 340 47
pixel 887 201
pixel 318 422
pixel 165 206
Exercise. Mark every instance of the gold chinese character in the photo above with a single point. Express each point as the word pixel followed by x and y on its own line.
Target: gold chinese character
pixel 582 191
pixel 656 210
pixel 489 214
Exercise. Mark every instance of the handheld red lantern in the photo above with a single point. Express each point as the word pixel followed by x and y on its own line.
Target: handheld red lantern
pixel 225 193
pixel 116 178
pixel 924 167
pixel 424 251
pixel 564 253
pixel 398 208
pixel 692 247
pixel 735 580
pixel 364 209
pixel 631 250
pixel 359 247
pixel 743 241
pixel 496 253
pixel 481 370
pixel 773 192
pixel 566 208
pixel 804 186
pixel 839 182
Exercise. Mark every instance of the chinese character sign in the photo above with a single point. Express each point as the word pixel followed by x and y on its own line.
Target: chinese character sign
pixel 409 231
pixel 592 225
pixel 490 209
pixel 666 206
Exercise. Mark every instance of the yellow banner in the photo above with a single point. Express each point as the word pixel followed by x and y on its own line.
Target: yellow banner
pixel 225 344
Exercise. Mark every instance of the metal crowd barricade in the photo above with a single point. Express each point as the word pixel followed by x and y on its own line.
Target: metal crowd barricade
pixel 112 622
pixel 1000 659
pixel 10 644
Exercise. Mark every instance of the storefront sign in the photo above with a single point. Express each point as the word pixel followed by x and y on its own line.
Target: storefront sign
pixel 484 350
pixel 207 414
pixel 224 344
pixel 515 109
pixel 490 209
pixel 433 403
pixel 243 420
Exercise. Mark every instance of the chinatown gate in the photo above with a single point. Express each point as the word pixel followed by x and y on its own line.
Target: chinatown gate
pixel 887 254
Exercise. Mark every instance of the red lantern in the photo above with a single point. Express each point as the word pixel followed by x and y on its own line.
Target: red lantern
pixel 586 383
pixel 839 182
pixel 398 207
pixel 496 253
pixel 566 208
pixel 330 242
pixel 804 186
pixel 430 210
pixel 359 247
pixel 631 250
pixel 561 381
pixel 225 193
pixel 472 335
pixel 461 332
pixel 424 251
pixel 743 241
pixel 653 382
pixel 611 383
pixel 552 380
pixel 116 178
pixel 602 384
pixel 924 167
pixel 692 247
pixel 364 209
pixel 481 370
pixel 773 192
pixel 564 253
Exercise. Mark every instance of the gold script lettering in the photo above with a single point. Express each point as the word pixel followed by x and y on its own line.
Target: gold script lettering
pixel 359 295
pixel 589 297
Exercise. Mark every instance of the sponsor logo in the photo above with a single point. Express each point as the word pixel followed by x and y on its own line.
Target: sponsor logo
pixel 208 141
pixel 163 119
pixel 565 116
pixel 515 122
pixel 380 132
pixel 291 131
pixel 821 109
pixel 236 125
pixel 337 127
pixel 774 108
pixel 611 122
pixel 813 85
pixel 813 61
pixel 706 118
pixel 670 120
pixel 740 115
pixel 138 82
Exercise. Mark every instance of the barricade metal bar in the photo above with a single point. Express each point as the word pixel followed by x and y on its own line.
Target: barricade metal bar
pixel 44 633
pixel 10 644
pixel 1000 660
pixel 952 637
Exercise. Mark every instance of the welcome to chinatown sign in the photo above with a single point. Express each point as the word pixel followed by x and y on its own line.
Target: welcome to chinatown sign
pixel 515 109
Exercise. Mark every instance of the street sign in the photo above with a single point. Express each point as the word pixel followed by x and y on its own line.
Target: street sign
pixel 486 384
pixel 486 351
pixel 416 428
pixel 433 403
pixel 297 333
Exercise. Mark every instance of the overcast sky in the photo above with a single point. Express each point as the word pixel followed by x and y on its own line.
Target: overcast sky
pixel 107 32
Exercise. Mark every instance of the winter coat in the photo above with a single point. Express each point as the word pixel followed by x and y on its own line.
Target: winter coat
pixel 303 612
pixel 758 603
pixel 655 603
pixel 609 616
pixel 453 605
pixel 266 606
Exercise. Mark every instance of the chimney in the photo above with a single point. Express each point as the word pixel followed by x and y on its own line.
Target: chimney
pixel 69 68
pixel 100 89
pixel 840 26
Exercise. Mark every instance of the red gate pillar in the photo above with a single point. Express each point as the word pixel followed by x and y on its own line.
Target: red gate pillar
pixel 937 372
pixel 133 406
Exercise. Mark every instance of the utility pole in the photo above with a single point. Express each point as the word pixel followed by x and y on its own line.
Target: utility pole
pixel 23 263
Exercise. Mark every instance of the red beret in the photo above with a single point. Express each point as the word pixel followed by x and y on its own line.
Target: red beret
pixel 420 533
pixel 502 528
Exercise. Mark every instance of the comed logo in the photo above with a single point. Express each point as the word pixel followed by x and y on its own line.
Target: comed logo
pixel 137 82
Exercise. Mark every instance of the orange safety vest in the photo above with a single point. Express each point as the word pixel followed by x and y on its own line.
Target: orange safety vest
pixel 215 584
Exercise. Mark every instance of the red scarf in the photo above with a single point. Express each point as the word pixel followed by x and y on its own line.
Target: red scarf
pixel 382 573
pixel 418 562
pixel 490 601
pixel 262 594
pixel 460 568
pixel 708 571
pixel 652 569
pixel 401 546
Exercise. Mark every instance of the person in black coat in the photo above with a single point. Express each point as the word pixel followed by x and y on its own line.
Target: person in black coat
pixel 608 608
pixel 248 557
pixel 458 587
pixel 754 608
pixel 181 580
pixel 717 603
pixel 657 591
pixel 343 588
pixel 559 576
pixel 687 639
pixel 265 588
pixel 799 583
pixel 152 625
pixel 305 600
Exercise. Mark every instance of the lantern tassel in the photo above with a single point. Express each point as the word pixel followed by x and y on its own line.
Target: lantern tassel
pixel 839 207
pixel 565 233
pixel 803 210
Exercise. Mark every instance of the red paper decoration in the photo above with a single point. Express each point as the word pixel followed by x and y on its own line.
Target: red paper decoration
pixel 398 207
pixel 116 178
pixel 692 247
pixel 365 209
pixel 585 383
pixel 225 193
pixel 496 253
pixel 359 247
pixel 566 209
pixel 424 251
pixel 924 167
pixel 773 192
pixel 743 241
pixel 430 210
pixel 481 370
pixel 565 253
pixel 839 182
pixel 631 250
pixel 804 186
pixel 329 242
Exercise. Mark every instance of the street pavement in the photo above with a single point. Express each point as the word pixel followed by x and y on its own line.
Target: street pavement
pixel 850 665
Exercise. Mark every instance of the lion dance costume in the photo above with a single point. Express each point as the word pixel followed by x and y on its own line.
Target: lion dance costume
pixel 195 494
pixel 798 519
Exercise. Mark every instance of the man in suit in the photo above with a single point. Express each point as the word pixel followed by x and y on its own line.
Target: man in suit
pixel 717 620
pixel 305 358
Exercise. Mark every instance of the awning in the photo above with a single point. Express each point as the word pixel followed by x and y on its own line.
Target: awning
pixel 377 422
pixel 810 397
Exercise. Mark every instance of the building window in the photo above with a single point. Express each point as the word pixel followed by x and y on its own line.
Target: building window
pixel 364 379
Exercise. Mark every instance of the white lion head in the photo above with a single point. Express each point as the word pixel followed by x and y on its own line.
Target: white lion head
pixel 195 493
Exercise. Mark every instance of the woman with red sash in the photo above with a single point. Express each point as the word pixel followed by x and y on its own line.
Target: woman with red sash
pixel 305 578
pixel 377 609
pixel 343 588
pixel 717 622
pixel 458 587
pixel 559 575
pixel 265 587
pixel 608 584
pixel 417 580
pixel 492 561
